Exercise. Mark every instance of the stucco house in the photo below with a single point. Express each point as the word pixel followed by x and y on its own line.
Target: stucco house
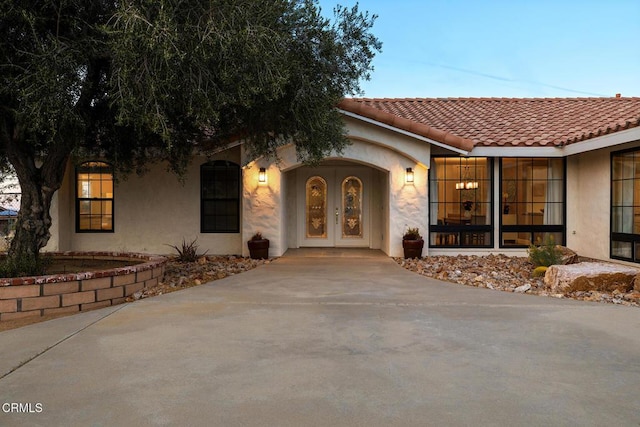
pixel 476 175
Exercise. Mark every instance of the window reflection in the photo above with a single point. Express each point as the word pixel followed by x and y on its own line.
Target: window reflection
pixel 219 197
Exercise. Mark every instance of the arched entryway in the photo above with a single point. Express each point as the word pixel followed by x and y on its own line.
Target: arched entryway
pixel 376 166
pixel 336 204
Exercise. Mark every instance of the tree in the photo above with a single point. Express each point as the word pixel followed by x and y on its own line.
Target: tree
pixel 137 81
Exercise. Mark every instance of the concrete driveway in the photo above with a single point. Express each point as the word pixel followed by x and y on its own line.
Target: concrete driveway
pixel 350 340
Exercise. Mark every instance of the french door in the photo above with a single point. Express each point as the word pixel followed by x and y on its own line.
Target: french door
pixel 334 206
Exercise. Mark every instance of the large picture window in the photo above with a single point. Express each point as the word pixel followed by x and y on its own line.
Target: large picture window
pixel 220 197
pixel 625 205
pixel 460 195
pixel 532 201
pixel 94 197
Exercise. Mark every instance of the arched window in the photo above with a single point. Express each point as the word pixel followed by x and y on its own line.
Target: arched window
pixel 94 197
pixel 219 197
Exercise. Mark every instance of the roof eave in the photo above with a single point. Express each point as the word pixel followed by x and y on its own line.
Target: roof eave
pixel 604 141
pixel 405 132
pixel 442 138
pixel 517 151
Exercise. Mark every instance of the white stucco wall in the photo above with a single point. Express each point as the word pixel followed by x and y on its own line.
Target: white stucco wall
pixel 589 201
pixel 263 207
pixel 379 211
pixel 63 214
pixel 151 212
pixel 292 213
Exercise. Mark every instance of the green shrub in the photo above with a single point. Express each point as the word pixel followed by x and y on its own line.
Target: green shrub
pixel 412 234
pixel 546 254
pixel 188 251
pixel 28 266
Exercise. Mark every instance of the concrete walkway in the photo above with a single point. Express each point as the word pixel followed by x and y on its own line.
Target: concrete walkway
pixel 317 340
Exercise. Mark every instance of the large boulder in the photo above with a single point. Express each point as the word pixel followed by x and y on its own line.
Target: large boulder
pixel 590 276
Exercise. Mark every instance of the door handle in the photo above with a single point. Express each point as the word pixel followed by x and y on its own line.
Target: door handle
pixel 337 215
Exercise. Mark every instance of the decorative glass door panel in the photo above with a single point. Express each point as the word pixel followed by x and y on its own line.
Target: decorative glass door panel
pixel 316 208
pixel 352 208
pixel 334 206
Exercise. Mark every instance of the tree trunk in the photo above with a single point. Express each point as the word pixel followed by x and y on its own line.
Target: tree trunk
pixel 33 222
pixel 38 184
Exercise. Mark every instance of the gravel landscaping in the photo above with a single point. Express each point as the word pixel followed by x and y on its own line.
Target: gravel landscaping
pixel 503 273
pixel 181 275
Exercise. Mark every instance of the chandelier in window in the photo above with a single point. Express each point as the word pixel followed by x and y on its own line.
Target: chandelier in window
pixel 466 183
pixel 469 185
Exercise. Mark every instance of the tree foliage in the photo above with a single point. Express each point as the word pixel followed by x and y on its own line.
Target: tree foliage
pixel 136 81
pixel 122 77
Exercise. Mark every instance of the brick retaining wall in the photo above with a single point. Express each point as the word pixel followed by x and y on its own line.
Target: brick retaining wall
pixel 68 293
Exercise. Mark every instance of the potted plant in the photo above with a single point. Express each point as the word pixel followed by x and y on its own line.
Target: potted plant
pixel 412 243
pixel 258 247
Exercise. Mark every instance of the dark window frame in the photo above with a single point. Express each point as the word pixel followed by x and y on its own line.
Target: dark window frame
pixel 463 232
pixel 532 229
pixel 84 168
pixel 211 168
pixel 632 238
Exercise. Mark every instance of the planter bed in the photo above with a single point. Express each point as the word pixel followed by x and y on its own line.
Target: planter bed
pixel 22 297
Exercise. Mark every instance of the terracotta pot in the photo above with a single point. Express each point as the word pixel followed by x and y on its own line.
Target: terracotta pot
pixel 259 249
pixel 413 248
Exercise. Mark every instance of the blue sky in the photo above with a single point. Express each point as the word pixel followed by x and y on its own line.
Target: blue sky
pixel 504 48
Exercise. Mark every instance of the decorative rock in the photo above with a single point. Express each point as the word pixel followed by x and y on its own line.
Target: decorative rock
pixel 505 273
pixel 568 256
pixel 590 276
pixel 180 275
pixel 522 289
pixel 635 296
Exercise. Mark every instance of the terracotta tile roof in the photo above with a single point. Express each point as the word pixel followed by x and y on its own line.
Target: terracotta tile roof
pixel 468 122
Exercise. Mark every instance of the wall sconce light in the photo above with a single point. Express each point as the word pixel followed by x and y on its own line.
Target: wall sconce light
pixel 408 177
pixel 262 176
